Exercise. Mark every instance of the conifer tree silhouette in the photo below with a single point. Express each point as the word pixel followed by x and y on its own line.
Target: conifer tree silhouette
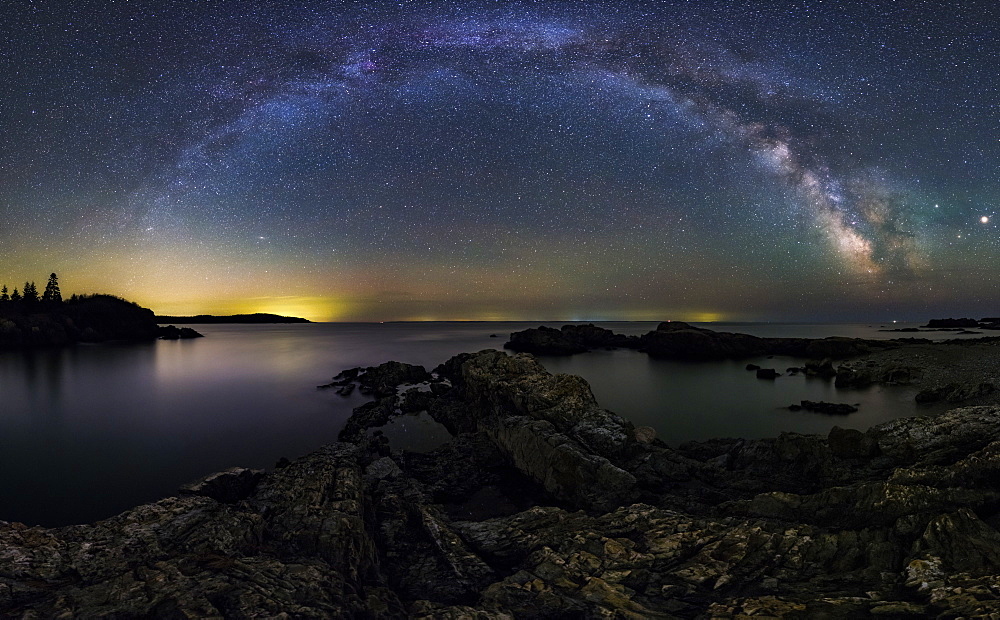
pixel 30 292
pixel 16 295
pixel 52 293
pixel 4 295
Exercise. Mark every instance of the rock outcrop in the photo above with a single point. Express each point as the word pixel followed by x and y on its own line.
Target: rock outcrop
pixel 546 505
pixel 172 332
pixel 381 380
pixel 568 340
pixel 682 341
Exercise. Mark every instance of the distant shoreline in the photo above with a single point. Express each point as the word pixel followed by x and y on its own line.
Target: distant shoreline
pixel 233 318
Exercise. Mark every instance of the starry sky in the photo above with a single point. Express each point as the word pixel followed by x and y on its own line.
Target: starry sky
pixel 711 160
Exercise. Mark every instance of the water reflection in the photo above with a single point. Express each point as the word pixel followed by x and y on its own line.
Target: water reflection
pixel 92 430
pixel 685 401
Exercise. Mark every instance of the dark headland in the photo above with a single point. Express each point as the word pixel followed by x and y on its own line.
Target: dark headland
pixel 259 317
pixel 543 504
pixel 26 324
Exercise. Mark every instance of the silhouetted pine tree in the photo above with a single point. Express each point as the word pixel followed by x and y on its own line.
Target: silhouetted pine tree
pixel 4 295
pixel 30 292
pixel 16 295
pixel 52 293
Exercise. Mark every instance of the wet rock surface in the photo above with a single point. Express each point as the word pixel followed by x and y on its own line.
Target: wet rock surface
pixel 546 505
pixel 381 380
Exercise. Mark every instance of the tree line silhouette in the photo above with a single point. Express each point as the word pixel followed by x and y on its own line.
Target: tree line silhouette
pixel 28 295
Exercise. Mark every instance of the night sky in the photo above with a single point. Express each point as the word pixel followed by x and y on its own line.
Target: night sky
pixel 539 160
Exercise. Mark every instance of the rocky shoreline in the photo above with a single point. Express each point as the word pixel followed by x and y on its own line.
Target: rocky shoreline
pixel 682 341
pixel 544 504
pixel 955 371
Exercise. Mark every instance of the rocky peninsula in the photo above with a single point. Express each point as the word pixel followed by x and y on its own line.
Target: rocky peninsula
pixel 81 319
pixel 543 504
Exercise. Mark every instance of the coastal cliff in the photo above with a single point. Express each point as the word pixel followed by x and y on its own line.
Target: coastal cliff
pixel 543 504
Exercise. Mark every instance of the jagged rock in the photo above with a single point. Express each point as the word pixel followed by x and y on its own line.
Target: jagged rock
pixel 385 378
pixel 848 377
pixel 858 375
pixel 345 390
pixel 532 511
pixel 955 392
pixel 767 373
pixel 848 443
pixel 227 486
pixel 752 367
pixel 369 415
pixel 296 545
pixel 381 380
pixel 383 468
pixel 560 465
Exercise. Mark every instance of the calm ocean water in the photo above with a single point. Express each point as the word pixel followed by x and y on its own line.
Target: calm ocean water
pixel 90 431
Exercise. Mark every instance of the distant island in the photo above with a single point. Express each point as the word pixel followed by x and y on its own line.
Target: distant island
pixel 259 317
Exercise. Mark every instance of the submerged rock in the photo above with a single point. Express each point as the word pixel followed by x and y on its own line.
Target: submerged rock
pixel 824 407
